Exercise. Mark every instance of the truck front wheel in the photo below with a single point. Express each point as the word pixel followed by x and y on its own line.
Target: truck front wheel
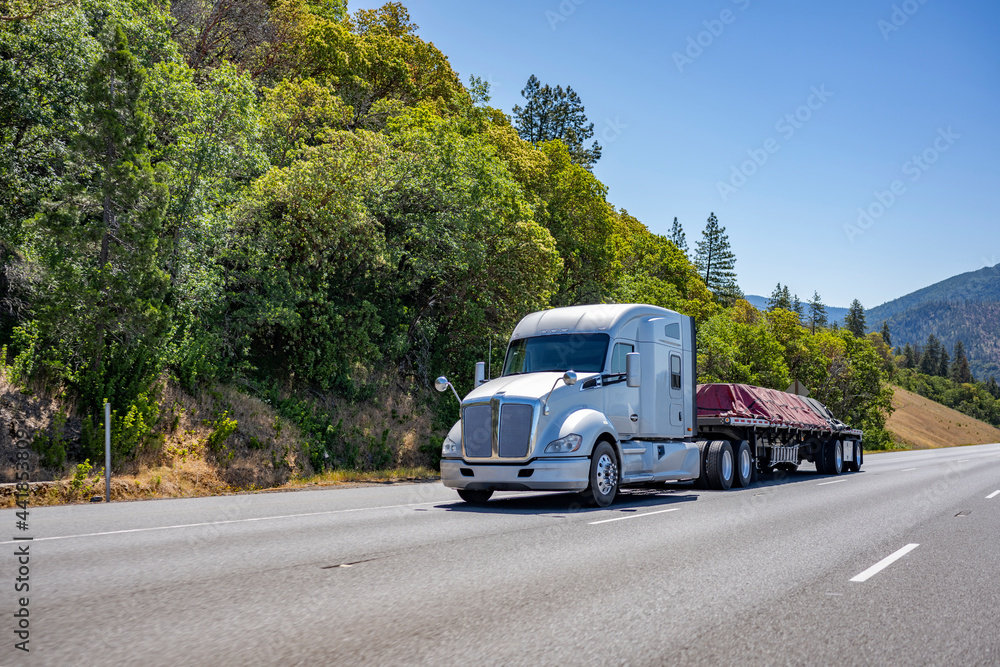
pixel 603 476
pixel 475 496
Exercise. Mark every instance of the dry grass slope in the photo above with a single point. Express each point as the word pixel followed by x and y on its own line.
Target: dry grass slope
pixel 923 424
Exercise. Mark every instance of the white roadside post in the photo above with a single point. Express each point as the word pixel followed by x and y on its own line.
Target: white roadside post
pixel 107 452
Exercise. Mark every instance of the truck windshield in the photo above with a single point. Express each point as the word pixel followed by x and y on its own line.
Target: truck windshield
pixel 583 353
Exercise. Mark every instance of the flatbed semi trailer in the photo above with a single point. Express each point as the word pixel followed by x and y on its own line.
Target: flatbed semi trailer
pixel 596 398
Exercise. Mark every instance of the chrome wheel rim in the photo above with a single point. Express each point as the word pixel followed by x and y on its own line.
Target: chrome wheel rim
pixel 838 455
pixel 607 474
pixel 727 465
pixel 745 463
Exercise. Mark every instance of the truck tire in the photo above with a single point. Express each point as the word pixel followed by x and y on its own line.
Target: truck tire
pixel 743 476
pixel 832 456
pixel 702 481
pixel 855 465
pixel 818 450
pixel 475 496
pixel 721 468
pixel 603 476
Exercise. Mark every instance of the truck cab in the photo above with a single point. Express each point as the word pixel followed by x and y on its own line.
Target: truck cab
pixel 591 398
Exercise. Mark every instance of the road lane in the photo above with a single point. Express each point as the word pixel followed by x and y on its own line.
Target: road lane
pixel 526 580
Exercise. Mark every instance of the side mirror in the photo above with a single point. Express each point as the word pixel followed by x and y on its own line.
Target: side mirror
pixel 568 378
pixel 442 384
pixel 633 372
pixel 480 373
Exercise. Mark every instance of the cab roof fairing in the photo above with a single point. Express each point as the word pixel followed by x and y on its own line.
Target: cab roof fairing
pixel 597 318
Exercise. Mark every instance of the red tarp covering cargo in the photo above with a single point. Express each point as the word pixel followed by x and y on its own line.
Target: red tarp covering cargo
pixel 743 400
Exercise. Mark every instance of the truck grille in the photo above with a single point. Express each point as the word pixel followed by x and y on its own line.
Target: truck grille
pixel 504 428
pixel 515 430
pixel 477 429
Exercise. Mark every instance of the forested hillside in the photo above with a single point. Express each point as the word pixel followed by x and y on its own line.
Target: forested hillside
pixel 962 308
pixel 310 206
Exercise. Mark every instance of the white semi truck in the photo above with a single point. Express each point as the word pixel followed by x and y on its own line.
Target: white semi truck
pixel 595 398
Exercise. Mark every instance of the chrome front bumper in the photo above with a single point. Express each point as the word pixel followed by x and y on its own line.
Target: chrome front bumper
pixel 556 474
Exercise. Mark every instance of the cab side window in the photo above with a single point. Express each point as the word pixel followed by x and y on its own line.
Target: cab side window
pixel 618 357
pixel 675 372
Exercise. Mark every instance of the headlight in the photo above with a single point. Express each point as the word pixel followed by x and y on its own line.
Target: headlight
pixel 570 443
pixel 450 447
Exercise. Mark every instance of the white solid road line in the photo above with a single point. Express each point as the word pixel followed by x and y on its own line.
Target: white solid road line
pixel 993 495
pixel 965 460
pixel 219 523
pixel 633 516
pixel 884 563
pixel 907 470
pixel 836 481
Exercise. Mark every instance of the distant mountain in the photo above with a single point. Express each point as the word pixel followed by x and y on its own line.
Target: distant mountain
pixel 965 307
pixel 833 313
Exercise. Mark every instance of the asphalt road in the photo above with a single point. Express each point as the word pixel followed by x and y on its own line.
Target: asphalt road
pixel 408 574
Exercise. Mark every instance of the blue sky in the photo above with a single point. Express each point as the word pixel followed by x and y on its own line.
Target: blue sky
pixel 848 147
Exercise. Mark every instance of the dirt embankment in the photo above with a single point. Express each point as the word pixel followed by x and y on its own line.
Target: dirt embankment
pixel 923 424
pixel 217 441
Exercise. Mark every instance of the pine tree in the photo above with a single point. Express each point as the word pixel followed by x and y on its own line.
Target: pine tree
pixel 993 387
pixel 716 263
pixel 960 370
pixel 797 307
pixel 105 306
pixel 678 238
pixel 886 336
pixel 854 321
pixel 817 312
pixel 909 356
pixel 944 363
pixel 779 299
pixel 930 360
pixel 554 113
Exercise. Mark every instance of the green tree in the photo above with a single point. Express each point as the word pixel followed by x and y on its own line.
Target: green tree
pixel 886 336
pixel 960 371
pixel 743 352
pixel 716 262
pixel 817 312
pixel 797 307
pixel 944 363
pixel 104 317
pixel 677 237
pixel 909 356
pixel 854 321
pixel 377 65
pixel 780 298
pixel 930 359
pixel 651 269
pixel 993 387
pixel 554 113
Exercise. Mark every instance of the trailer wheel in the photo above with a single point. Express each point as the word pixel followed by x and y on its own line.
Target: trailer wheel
pixel 818 450
pixel 603 476
pixel 855 465
pixel 832 456
pixel 475 496
pixel 720 465
pixel 744 465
